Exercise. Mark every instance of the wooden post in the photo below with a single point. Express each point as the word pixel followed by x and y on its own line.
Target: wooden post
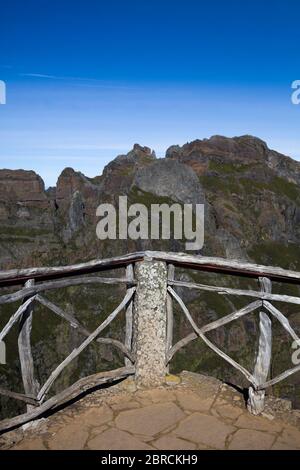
pixel 256 401
pixel 150 322
pixel 129 317
pixel 31 386
pixel 170 316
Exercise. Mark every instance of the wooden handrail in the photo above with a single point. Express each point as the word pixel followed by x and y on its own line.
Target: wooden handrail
pixel 138 280
pixel 197 262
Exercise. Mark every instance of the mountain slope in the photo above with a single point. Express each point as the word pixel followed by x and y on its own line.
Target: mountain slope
pixel 252 203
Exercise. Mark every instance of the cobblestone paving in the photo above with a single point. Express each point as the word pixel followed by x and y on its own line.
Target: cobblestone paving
pixel 197 413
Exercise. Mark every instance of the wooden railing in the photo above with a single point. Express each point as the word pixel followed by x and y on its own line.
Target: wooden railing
pixel 150 280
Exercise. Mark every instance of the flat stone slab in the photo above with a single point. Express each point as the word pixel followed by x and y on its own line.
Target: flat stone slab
pixel 256 422
pixel 191 401
pixel 250 439
pixel 291 436
pixel 96 416
pixel 205 429
pixel 70 437
pixel 115 439
pixel 33 444
pixel 150 420
pixel 228 411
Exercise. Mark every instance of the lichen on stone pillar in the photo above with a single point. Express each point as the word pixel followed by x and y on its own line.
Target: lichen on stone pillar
pixel 150 322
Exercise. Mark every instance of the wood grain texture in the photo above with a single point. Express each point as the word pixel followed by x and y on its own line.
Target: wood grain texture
pixel 282 319
pixel 50 285
pixel 198 331
pixel 75 390
pixel 256 400
pixel 19 396
pixel 129 317
pixel 213 325
pixel 221 265
pixel 31 385
pixel 77 325
pixel 15 317
pixel 170 313
pixel 45 388
pixel 245 293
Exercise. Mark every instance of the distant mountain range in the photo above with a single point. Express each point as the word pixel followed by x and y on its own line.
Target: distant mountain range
pixel 252 200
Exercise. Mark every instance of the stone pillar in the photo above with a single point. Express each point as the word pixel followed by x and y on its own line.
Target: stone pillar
pixel 150 322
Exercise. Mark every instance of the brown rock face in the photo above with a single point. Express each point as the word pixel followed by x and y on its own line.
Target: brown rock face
pixel 118 174
pixel 76 200
pixel 23 187
pixel 244 150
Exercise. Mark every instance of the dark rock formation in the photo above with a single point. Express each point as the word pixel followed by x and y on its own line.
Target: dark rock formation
pixel 171 179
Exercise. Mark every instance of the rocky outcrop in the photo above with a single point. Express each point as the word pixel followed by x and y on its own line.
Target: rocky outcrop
pixel 119 172
pixel 23 187
pixel 245 151
pixel 171 179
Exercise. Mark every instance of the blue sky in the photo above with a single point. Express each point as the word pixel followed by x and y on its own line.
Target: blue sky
pixel 87 79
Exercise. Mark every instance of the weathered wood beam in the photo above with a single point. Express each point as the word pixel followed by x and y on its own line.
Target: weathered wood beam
pixel 213 325
pixel 225 266
pixel 203 263
pixel 170 313
pixel 279 378
pixel 78 388
pixel 15 317
pixel 61 313
pixel 179 345
pixel 231 317
pixel 256 401
pixel 117 344
pixel 198 331
pixel 31 385
pixel 45 388
pixel 76 324
pixel 19 396
pixel 239 292
pixel 129 316
pixel 282 319
pixel 29 291
pixel 18 276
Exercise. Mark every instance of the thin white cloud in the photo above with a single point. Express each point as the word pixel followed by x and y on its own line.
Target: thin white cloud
pixel 40 75
pixel 60 77
pixel 82 81
pixel 57 77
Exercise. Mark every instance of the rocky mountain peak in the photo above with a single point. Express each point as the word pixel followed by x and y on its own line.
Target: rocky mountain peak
pixel 21 185
pixel 140 151
pixel 243 151
pixel 121 170
pixel 245 148
pixel 138 154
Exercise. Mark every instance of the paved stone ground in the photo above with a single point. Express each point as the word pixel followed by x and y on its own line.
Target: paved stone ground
pixel 191 412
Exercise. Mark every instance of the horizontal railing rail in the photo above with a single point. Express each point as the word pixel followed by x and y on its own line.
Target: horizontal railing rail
pixel 151 289
pixel 34 293
pixel 202 263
